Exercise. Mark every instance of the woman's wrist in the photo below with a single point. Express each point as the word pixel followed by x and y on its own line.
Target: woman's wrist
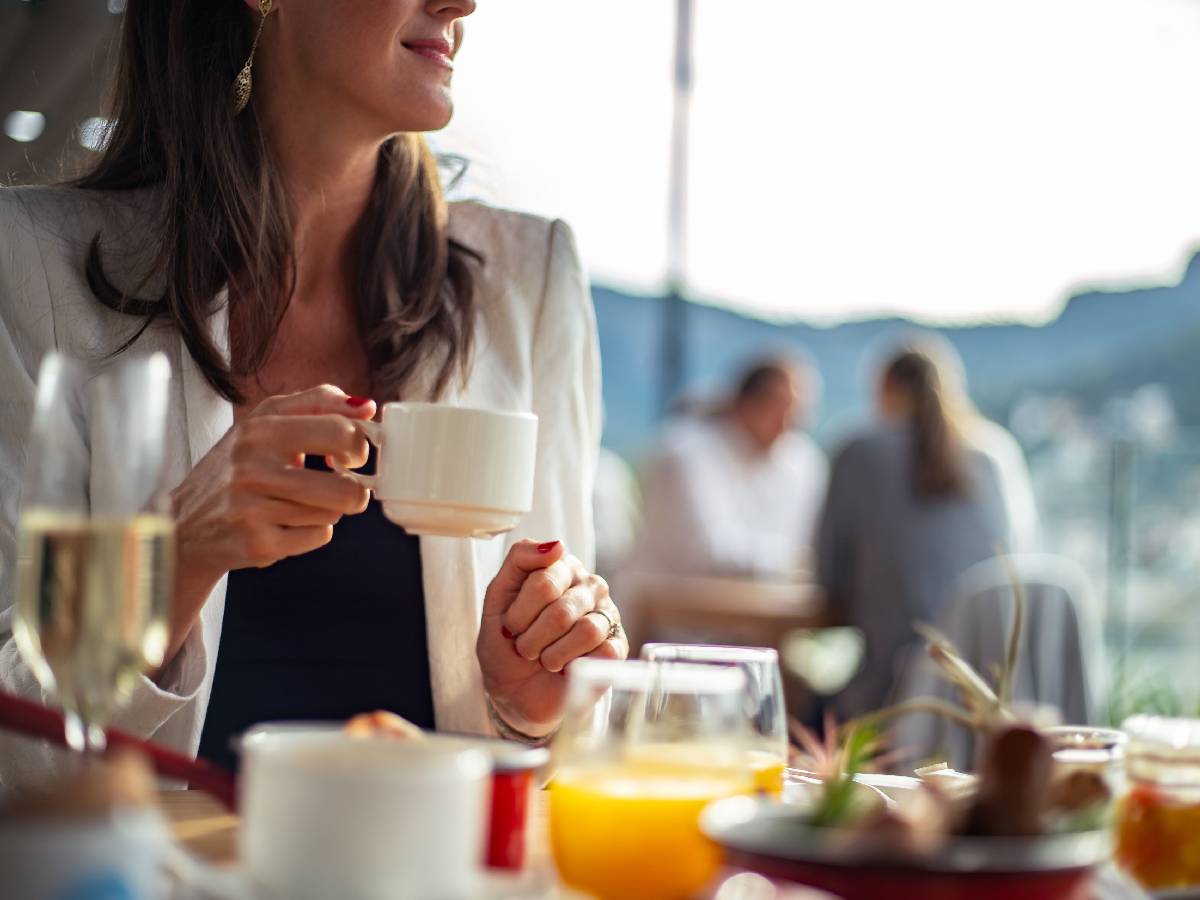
pixel 511 732
pixel 193 583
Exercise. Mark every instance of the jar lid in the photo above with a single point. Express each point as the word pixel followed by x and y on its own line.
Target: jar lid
pixel 1156 742
pixel 1164 732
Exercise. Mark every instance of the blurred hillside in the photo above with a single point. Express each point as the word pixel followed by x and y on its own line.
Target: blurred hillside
pixel 1104 344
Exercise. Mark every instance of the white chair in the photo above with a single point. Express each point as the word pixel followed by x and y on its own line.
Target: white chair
pixel 1060 662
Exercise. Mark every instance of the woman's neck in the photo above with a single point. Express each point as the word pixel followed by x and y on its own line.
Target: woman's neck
pixel 329 180
pixel 328 165
pixel 329 189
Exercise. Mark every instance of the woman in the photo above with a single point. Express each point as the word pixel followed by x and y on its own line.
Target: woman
pixel 267 214
pixel 988 437
pixel 910 508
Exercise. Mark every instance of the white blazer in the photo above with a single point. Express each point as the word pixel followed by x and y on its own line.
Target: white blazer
pixel 535 351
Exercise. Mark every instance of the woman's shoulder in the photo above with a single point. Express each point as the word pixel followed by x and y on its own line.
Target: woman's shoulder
pixel 45 232
pixel 516 247
pixel 60 219
pixel 473 221
pixel 47 203
pixel 530 279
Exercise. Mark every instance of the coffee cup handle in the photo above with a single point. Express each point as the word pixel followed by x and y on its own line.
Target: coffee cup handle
pixel 373 432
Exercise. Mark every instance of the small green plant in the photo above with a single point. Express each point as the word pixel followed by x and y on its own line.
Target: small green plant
pixel 1148 692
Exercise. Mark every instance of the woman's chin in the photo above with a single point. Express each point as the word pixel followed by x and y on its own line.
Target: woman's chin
pixel 432 115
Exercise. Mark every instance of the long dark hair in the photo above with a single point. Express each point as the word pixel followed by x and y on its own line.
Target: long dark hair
pixel 225 218
pixel 939 461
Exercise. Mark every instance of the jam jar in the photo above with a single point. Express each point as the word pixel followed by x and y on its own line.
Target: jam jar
pixel 1158 820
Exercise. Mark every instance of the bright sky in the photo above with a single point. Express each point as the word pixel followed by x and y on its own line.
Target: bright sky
pixel 952 160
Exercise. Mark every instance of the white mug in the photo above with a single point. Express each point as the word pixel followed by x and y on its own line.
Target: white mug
pixel 454 471
pixel 324 816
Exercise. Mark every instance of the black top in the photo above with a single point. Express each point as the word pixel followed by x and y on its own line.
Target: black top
pixel 324 636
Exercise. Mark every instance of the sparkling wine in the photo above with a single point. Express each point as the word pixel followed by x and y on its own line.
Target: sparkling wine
pixel 92 602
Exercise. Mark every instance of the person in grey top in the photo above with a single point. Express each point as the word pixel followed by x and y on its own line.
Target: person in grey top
pixel 910 508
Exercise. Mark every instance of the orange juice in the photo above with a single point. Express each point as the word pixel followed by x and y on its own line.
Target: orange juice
pixel 767 769
pixel 631 832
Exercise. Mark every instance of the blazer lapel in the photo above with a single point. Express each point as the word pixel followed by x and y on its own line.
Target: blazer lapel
pixel 207 415
pixel 453 605
pixel 453 608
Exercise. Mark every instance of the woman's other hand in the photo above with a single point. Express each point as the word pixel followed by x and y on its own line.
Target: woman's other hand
pixel 251 502
pixel 542 610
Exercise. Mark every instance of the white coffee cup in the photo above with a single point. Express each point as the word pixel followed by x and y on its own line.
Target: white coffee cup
pixel 324 815
pixel 454 471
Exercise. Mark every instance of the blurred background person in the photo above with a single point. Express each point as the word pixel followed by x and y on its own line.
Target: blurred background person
pixel 989 438
pixel 735 493
pixel 911 506
pixel 616 511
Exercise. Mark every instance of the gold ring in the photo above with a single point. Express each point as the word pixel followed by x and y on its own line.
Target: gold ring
pixel 614 627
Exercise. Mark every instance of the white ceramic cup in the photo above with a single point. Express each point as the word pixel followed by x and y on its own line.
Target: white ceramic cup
pixel 454 471
pixel 327 816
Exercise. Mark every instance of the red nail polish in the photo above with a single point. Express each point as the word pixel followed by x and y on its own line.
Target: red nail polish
pixel 547 547
pixel 508 635
pixel 357 401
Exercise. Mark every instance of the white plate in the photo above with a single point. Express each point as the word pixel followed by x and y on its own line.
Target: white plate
pixel 203 882
pixel 799 788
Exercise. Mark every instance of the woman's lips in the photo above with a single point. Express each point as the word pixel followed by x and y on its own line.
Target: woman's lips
pixel 436 51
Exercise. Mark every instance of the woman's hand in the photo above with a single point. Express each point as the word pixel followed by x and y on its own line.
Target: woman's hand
pixel 542 610
pixel 250 501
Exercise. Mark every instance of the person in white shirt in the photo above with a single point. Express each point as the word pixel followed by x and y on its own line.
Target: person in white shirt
pixel 736 493
pixel 616 511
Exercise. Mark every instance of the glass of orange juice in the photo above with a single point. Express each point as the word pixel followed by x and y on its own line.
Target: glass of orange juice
pixel 762 701
pixel 644 747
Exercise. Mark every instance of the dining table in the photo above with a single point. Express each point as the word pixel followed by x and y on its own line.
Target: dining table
pixel 208 831
pixel 736 611
pixel 201 825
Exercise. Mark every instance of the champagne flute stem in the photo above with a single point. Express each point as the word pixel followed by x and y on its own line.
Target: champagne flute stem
pixel 84 737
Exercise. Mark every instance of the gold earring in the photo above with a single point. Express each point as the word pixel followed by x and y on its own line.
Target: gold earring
pixel 244 82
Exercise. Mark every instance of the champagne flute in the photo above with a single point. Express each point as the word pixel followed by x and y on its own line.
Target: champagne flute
pixel 642 750
pixel 762 699
pixel 95 552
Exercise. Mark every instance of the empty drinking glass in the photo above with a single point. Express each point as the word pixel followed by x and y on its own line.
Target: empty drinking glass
pixel 762 701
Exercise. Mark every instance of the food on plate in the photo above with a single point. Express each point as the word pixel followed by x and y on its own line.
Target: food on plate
pixel 915 825
pixel 382 724
pixel 1079 792
pixel 1017 793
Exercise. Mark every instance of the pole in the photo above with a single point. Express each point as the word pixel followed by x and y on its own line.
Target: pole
pixel 674 320
pixel 1122 477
